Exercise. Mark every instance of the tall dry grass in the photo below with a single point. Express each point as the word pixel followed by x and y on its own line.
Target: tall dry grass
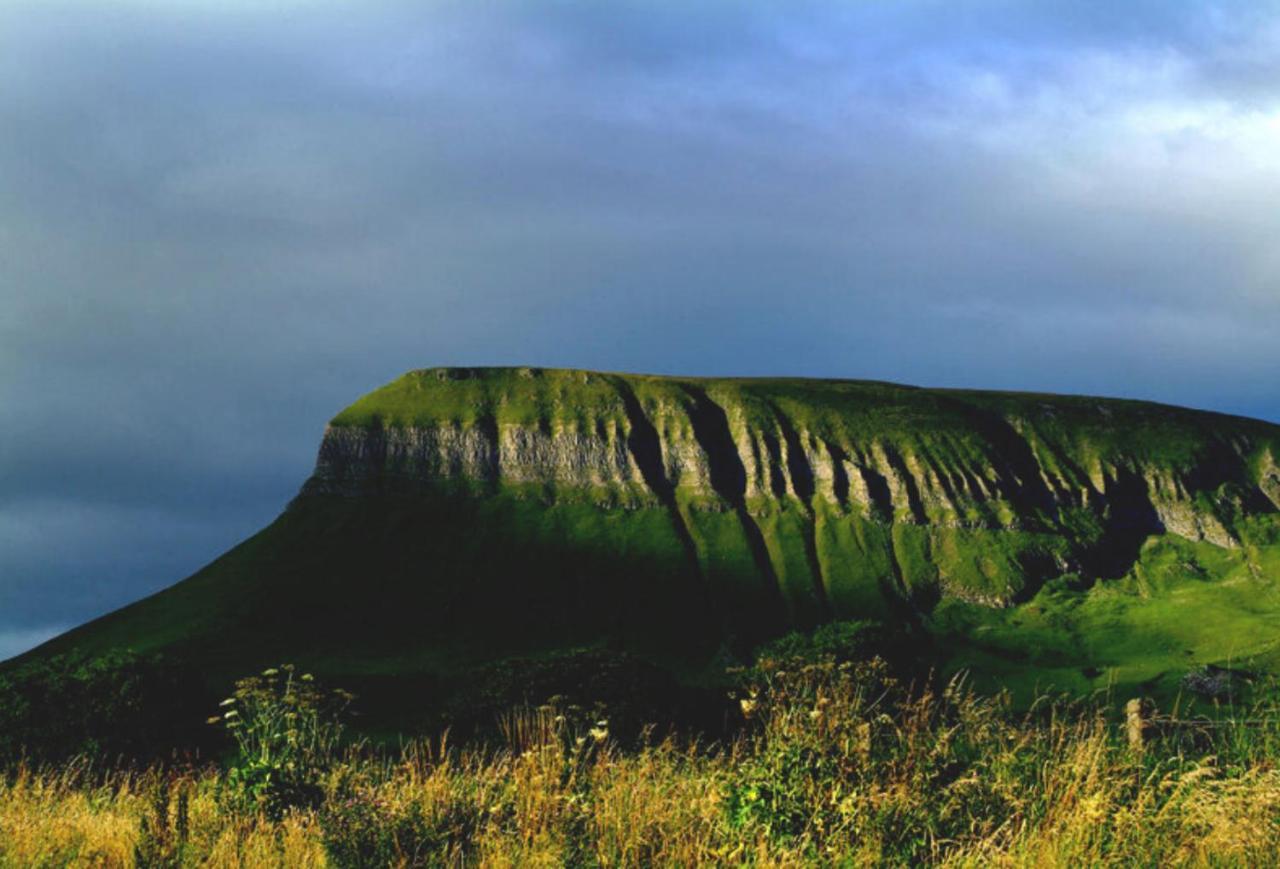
pixel 836 764
pixel 82 816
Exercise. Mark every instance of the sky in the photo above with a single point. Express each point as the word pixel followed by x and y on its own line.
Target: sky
pixel 221 222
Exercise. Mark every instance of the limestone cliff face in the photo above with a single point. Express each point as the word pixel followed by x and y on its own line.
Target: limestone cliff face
pixel 356 461
pixel 1062 478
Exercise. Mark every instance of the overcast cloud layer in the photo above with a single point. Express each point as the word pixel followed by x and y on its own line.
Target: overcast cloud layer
pixel 222 222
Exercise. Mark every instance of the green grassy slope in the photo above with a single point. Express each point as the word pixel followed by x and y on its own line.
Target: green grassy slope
pixel 1183 605
pixel 463 515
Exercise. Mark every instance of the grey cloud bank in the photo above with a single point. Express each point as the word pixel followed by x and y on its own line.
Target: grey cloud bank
pixel 221 222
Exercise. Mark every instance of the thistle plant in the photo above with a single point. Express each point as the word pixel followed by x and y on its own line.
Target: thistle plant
pixel 288 732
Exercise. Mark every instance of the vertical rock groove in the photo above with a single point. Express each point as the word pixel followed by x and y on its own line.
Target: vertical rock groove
pixel 839 475
pixel 646 451
pixel 729 477
pixel 896 567
pixel 878 491
pixel 802 484
pixel 909 485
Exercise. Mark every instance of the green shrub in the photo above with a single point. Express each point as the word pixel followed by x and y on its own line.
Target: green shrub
pixel 815 724
pixel 843 752
pixel 288 732
pixel 122 705
pixel 852 640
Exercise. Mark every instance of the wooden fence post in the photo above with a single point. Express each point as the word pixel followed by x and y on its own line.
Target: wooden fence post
pixel 1138 713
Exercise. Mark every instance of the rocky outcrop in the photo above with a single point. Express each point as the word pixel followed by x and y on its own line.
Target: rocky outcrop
pixel 354 461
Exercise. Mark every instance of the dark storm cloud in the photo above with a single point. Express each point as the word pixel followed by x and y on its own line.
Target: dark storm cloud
pixel 219 222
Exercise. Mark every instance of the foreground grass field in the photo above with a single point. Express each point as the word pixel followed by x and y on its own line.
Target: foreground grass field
pixel 833 762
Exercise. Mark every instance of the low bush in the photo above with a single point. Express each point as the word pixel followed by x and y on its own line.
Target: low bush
pixel 123 706
pixel 288 732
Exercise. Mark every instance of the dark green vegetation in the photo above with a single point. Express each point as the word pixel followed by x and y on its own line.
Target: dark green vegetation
pixel 466 527
pixel 116 705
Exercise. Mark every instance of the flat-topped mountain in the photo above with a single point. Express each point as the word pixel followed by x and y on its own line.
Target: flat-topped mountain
pixel 459 515
pixel 826 493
